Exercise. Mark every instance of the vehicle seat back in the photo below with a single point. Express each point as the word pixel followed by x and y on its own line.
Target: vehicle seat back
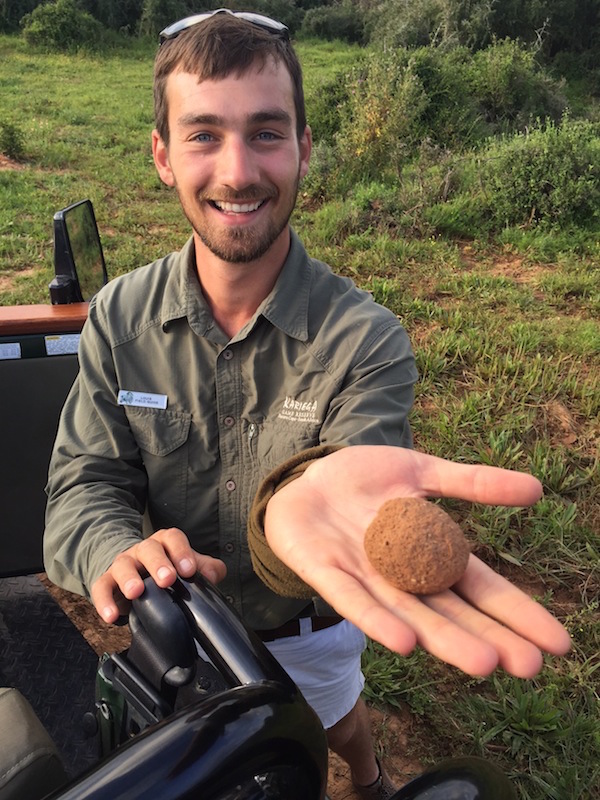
pixel 30 765
pixel 35 376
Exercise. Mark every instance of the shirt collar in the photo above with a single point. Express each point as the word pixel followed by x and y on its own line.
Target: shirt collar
pixel 286 307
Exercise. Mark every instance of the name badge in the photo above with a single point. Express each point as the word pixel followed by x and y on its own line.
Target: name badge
pixel 142 399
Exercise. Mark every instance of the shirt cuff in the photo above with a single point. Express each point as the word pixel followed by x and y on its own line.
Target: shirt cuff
pixel 271 570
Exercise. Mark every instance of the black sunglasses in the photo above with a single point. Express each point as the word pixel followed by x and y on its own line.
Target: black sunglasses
pixel 268 24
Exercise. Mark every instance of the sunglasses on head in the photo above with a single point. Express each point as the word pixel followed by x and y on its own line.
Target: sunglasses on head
pixel 268 24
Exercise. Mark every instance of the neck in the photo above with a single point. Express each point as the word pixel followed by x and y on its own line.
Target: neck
pixel 235 291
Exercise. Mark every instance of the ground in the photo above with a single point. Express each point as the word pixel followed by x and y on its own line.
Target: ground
pixel 390 730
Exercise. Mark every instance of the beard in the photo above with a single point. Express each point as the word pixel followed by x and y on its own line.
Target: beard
pixel 243 244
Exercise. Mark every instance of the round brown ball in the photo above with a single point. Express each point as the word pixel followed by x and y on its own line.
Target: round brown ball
pixel 416 546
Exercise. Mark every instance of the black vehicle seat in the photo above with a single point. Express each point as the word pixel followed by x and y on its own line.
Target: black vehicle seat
pixel 30 765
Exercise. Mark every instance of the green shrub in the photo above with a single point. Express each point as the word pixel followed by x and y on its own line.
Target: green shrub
pixel 381 119
pixel 61 25
pixel 324 108
pixel 12 141
pixel 511 88
pixel 418 23
pixel 400 100
pixel 322 173
pixel 342 22
pixel 549 175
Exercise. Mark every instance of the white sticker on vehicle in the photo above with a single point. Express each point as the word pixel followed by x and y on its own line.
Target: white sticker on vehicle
pixel 63 344
pixel 10 350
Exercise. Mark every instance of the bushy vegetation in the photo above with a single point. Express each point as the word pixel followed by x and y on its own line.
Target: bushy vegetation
pixel 552 27
pixel 378 118
pixel 61 25
pixel 549 174
pixel 12 140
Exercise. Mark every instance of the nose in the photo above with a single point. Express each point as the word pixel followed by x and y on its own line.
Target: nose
pixel 238 167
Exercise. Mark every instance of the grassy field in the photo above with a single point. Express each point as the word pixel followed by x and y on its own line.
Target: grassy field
pixel 508 345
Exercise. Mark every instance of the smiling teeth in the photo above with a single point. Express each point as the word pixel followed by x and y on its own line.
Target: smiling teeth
pixel 238 208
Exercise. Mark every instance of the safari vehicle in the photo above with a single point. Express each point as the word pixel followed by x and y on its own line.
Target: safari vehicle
pixel 196 707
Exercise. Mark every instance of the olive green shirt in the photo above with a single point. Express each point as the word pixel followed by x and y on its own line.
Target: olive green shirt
pixel 171 417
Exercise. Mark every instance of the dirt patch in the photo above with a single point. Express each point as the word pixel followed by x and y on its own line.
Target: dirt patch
pixel 561 424
pixel 101 637
pixel 9 163
pixel 7 281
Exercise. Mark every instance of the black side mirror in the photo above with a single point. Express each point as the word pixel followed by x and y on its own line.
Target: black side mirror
pixel 79 267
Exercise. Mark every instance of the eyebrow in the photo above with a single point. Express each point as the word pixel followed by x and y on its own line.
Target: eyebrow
pixel 257 118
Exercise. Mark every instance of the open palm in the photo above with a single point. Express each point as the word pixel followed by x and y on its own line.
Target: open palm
pixel 316 526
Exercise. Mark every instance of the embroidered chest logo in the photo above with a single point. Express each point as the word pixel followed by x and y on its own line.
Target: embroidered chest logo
pixel 298 410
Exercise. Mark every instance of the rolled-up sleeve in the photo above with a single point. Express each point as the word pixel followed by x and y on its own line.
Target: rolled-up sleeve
pixel 97 482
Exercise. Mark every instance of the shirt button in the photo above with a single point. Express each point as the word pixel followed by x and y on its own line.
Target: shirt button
pixel 230 486
pixel 229 547
pixel 229 422
pixel 229 599
pixel 227 355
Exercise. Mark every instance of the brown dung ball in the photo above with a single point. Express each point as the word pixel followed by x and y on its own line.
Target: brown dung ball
pixel 416 546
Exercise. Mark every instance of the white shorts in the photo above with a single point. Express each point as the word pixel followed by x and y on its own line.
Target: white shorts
pixel 325 666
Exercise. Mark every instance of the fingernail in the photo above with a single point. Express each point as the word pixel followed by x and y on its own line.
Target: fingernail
pixel 130 586
pixel 107 613
pixel 186 565
pixel 163 573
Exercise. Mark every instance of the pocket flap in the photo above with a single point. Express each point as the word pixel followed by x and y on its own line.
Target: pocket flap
pixel 159 431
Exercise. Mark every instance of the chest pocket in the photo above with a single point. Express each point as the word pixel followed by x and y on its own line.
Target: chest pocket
pixel 278 440
pixel 162 436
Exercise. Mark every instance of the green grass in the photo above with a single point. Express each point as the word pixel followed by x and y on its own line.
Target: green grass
pixel 507 341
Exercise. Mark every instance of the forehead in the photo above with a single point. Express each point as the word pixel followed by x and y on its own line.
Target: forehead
pixel 267 85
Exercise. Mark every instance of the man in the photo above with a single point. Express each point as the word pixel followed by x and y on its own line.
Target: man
pixel 207 370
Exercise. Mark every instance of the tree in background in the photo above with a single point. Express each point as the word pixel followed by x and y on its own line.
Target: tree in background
pixel 12 12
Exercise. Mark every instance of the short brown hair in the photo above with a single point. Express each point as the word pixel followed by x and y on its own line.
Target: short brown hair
pixel 216 48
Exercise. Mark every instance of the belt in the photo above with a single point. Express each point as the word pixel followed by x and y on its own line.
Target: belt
pixel 292 628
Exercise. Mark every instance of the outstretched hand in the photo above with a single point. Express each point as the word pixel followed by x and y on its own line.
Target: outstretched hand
pixel 316 526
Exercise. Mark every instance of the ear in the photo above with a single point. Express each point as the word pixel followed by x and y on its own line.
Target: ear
pixel 305 151
pixel 160 154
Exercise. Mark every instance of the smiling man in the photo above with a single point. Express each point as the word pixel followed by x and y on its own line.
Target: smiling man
pixel 240 363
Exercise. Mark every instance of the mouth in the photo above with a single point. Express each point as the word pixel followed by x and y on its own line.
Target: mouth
pixel 236 208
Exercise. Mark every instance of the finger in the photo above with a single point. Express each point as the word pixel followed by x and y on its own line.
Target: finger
pixel 149 556
pixel 177 547
pixel 104 594
pixel 399 621
pixel 478 483
pixel 516 655
pixel 441 635
pixel 497 598
pixel 126 572
pixel 213 569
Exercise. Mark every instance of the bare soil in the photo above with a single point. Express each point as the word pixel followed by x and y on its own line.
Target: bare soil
pixel 390 729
